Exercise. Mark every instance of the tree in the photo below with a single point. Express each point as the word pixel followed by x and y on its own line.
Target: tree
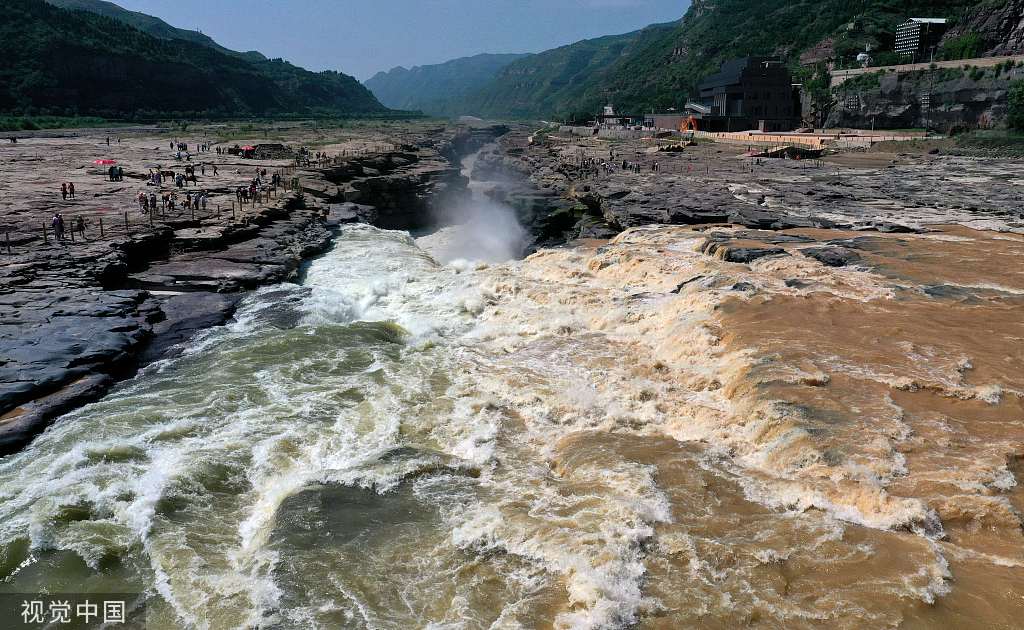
pixel 1015 114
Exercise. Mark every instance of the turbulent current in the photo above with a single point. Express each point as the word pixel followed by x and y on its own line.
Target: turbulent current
pixel 637 434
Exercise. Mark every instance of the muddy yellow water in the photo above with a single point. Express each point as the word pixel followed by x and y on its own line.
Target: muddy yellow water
pixel 624 434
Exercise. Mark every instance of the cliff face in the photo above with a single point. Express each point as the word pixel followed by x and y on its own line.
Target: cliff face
pixel 958 100
pixel 1001 27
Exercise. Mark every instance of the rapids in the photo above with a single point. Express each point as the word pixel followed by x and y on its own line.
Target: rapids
pixel 636 434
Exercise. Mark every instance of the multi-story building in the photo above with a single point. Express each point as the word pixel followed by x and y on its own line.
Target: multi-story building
pixel 917 38
pixel 750 93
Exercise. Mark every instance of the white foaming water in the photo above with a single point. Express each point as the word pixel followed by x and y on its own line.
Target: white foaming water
pixel 403 443
pixel 181 476
pixel 475 230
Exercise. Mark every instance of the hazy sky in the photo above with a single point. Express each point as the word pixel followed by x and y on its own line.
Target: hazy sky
pixel 361 37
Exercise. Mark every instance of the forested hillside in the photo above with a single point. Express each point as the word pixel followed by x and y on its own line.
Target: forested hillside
pixel 658 67
pixel 61 62
pixel 439 89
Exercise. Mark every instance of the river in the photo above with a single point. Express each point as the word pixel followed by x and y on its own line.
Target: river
pixel 418 435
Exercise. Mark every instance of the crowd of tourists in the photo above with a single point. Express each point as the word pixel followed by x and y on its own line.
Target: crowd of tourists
pixel 168 201
pixel 592 167
pixel 254 192
pixel 169 189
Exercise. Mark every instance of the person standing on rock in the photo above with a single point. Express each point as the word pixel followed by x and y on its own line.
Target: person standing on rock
pixel 64 191
pixel 71 191
pixel 80 226
pixel 58 226
pixel 214 170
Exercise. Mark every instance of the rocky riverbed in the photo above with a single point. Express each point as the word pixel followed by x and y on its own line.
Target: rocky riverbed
pixel 560 196
pixel 78 314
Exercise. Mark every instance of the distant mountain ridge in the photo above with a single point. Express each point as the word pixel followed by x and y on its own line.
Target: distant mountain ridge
pixel 660 66
pixel 95 58
pixel 146 23
pixel 438 89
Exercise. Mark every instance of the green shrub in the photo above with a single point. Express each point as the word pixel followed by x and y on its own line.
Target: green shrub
pixel 964 47
pixel 1015 106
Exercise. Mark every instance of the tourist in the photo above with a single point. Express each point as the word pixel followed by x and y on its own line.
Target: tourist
pixel 80 222
pixel 58 226
pixel 71 190
pixel 152 201
pixel 215 170
pixel 64 191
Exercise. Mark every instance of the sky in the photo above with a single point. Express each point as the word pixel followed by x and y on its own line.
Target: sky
pixel 362 37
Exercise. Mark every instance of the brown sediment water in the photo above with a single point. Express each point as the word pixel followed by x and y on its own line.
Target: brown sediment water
pixel 631 433
pixel 836 445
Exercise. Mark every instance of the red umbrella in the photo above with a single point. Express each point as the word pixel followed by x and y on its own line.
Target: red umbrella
pixel 104 162
pixel 248 148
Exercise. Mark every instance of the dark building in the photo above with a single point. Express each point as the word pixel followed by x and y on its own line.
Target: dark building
pixel 750 93
pixel 917 38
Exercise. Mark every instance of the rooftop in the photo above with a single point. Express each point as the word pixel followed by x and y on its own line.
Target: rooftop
pixel 732 71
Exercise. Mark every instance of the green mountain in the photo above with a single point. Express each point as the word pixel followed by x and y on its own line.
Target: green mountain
pixel 558 81
pixel 95 61
pixel 146 23
pixel 440 89
pixel 660 66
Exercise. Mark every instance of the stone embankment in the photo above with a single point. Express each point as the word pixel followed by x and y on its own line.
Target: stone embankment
pixel 77 317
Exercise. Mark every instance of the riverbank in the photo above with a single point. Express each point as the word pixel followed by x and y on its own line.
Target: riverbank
pixel 79 315
pixel 569 194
